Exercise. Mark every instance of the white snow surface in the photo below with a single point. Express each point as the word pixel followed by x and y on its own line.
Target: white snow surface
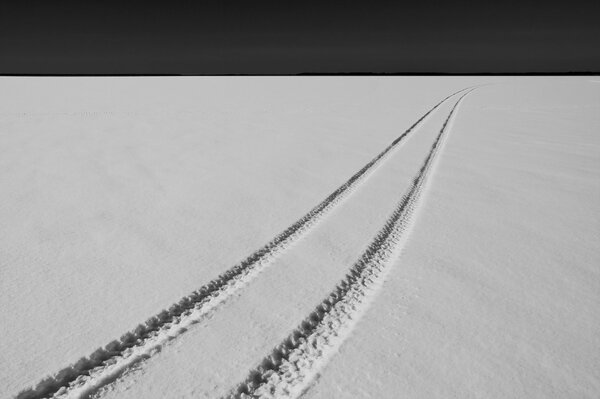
pixel 119 196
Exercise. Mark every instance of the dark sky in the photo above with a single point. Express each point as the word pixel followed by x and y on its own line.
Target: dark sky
pixel 286 37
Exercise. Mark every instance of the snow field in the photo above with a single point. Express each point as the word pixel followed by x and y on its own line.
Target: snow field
pixel 124 194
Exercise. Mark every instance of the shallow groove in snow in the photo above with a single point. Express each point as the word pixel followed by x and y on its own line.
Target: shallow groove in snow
pixel 86 376
pixel 293 364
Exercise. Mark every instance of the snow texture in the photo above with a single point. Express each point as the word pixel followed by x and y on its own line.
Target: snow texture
pixel 123 196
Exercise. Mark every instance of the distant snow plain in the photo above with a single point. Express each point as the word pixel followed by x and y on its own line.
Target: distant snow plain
pixel 463 262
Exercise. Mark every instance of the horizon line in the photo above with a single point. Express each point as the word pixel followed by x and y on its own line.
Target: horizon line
pixel 529 73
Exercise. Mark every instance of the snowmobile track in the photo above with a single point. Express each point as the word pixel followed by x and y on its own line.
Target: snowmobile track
pixel 87 375
pixel 289 369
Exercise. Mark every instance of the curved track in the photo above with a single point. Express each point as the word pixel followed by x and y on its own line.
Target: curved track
pixel 106 364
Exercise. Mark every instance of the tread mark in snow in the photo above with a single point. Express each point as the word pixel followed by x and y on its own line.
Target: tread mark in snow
pixel 290 368
pixel 86 376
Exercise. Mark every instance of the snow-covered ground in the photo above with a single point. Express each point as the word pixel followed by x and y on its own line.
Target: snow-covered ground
pixel 121 196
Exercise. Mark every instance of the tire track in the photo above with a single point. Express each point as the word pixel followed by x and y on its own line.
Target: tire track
pixel 292 365
pixel 106 364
